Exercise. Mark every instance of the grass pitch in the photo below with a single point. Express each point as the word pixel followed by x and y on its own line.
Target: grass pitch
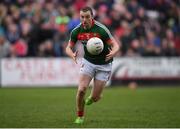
pixel 119 107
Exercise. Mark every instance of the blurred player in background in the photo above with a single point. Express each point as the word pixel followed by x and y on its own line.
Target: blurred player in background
pixel 97 67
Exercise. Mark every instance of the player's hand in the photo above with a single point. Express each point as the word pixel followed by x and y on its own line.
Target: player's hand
pixel 110 55
pixel 74 56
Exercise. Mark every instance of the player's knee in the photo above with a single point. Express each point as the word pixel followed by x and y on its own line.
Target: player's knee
pixel 81 91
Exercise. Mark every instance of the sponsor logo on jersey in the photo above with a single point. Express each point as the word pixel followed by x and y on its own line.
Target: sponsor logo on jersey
pixel 87 36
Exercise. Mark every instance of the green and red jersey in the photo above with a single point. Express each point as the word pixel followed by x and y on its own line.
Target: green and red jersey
pixel 83 35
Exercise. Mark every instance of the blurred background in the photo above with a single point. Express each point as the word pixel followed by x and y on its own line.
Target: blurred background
pixel 34 34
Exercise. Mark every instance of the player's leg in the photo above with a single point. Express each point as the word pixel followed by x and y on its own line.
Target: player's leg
pixel 97 89
pixel 99 82
pixel 86 75
pixel 84 81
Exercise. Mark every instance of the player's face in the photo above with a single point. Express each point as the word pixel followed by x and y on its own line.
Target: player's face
pixel 86 18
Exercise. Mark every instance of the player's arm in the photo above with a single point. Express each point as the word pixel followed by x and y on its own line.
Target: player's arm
pixel 114 48
pixel 70 52
pixel 109 39
pixel 71 44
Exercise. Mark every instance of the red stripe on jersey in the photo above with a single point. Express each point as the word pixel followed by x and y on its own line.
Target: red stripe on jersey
pixel 87 36
pixel 71 43
pixel 110 41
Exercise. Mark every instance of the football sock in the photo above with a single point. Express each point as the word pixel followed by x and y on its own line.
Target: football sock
pixel 80 113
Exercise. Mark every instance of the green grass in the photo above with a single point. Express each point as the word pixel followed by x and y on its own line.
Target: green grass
pixel 119 107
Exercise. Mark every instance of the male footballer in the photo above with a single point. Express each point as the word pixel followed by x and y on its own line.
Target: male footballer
pixel 96 67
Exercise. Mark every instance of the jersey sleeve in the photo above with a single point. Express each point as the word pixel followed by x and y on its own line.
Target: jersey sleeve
pixel 73 37
pixel 107 37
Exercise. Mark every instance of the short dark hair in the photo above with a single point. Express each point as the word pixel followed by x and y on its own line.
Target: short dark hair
pixel 87 8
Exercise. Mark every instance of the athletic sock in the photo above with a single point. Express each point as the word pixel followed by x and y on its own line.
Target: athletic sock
pixel 80 113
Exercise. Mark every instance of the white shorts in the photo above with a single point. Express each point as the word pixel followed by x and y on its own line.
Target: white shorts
pixel 99 72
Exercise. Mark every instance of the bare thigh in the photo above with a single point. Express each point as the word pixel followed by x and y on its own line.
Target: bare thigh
pixel 84 81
